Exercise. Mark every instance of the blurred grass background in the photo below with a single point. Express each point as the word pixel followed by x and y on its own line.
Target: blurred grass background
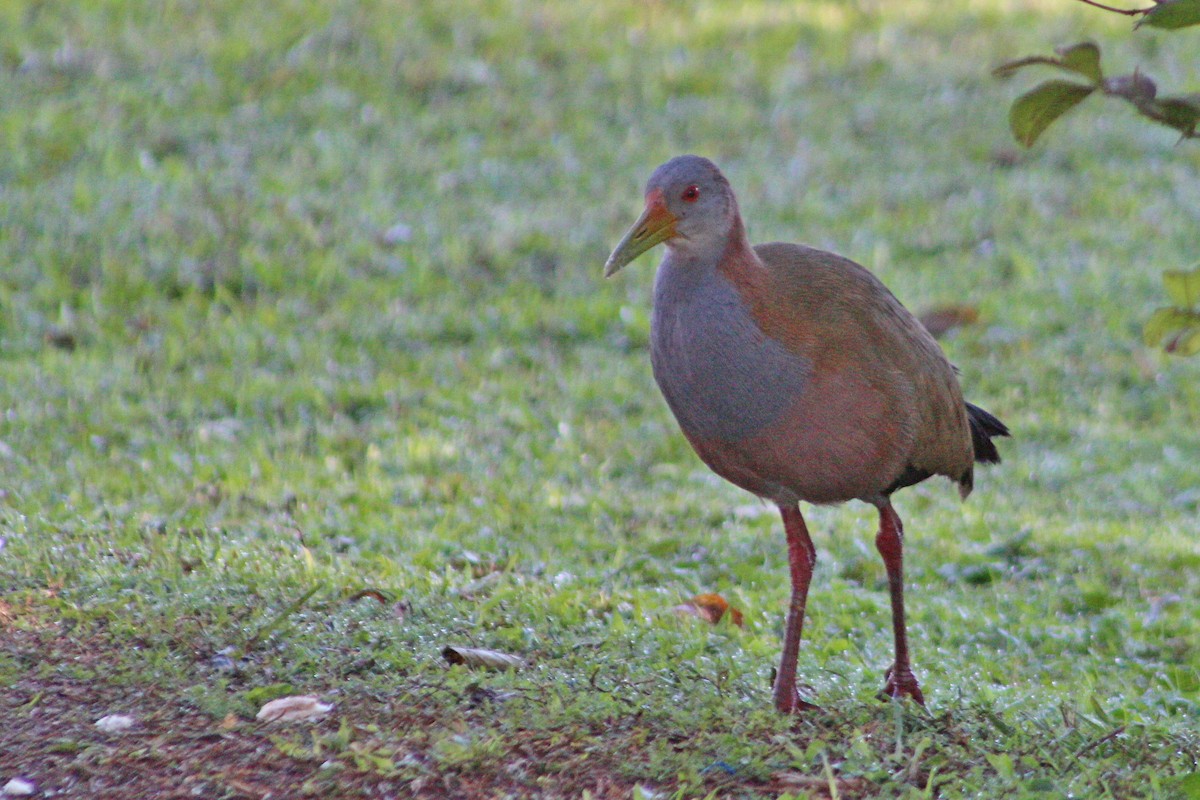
pixel 299 294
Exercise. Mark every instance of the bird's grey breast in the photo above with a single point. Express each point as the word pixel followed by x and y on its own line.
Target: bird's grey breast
pixel 723 378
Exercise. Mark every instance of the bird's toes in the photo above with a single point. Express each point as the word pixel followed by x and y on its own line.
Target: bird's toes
pixel 889 693
pixel 795 705
pixel 901 683
pixel 789 701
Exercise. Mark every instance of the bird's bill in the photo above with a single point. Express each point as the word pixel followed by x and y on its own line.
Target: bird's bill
pixel 655 225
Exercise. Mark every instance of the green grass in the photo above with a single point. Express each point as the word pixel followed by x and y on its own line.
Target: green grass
pixel 306 297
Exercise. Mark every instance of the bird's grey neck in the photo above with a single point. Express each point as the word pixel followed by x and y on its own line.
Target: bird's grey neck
pixel 693 265
pixel 684 272
pixel 723 378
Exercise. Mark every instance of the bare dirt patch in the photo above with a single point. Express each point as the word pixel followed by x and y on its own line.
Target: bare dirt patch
pixel 173 750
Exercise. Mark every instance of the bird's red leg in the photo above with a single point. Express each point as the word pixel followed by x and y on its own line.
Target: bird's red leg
pixel 802 556
pixel 890 543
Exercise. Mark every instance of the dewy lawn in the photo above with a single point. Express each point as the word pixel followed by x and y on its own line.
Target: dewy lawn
pixel 308 372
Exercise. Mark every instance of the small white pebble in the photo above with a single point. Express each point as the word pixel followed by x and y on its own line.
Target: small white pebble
pixel 18 787
pixel 115 723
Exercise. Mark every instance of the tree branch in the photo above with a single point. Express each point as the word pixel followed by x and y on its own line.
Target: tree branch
pixel 1129 12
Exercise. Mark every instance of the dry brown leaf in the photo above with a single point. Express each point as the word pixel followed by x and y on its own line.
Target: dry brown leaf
pixel 486 659
pixel 817 786
pixel 943 319
pixel 373 594
pixel 247 788
pixel 296 708
pixel 710 608
pixel 7 615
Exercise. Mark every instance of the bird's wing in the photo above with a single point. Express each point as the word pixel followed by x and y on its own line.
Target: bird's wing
pixel 838 314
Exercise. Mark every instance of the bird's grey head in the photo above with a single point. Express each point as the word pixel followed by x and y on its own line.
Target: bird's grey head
pixel 689 206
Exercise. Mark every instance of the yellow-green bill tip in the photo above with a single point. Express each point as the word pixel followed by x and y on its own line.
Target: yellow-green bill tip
pixel 654 226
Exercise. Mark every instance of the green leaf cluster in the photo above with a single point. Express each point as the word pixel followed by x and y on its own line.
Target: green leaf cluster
pixel 1177 326
pixel 1172 14
pixel 1033 112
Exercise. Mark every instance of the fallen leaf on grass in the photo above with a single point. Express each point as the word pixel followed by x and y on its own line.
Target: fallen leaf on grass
pixel 247 788
pixel 710 608
pixel 476 657
pixel 943 319
pixel 373 594
pixel 296 708
pixel 115 723
pixel 818 786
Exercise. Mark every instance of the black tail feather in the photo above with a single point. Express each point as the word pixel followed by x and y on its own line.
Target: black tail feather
pixel 983 427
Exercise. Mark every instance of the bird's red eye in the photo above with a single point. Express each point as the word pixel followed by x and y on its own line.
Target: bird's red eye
pixel 691 194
